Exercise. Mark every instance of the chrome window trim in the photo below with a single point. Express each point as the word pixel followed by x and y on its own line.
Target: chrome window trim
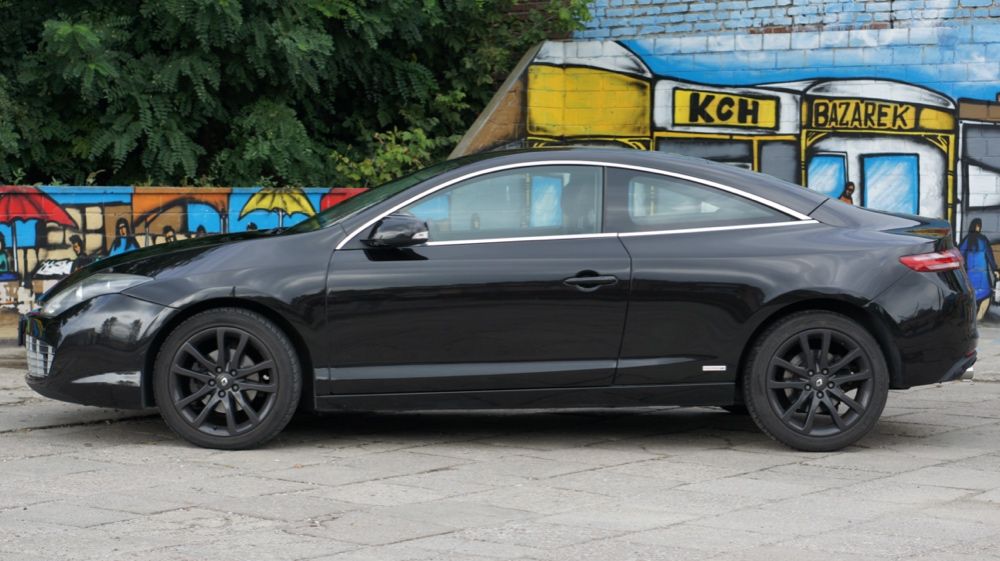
pixel 527 239
pixel 802 218
pixel 717 228
pixel 626 234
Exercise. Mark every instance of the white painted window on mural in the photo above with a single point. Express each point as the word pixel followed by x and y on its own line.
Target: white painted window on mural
pixel 827 174
pixel 891 182
pixel 984 187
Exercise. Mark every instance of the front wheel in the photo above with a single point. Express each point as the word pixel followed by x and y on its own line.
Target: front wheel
pixel 227 378
pixel 816 381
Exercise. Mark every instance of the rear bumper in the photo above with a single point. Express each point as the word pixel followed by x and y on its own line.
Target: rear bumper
pixel 931 321
pixel 94 354
pixel 961 370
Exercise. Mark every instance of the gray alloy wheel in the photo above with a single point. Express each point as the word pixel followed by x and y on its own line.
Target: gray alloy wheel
pixel 816 381
pixel 227 378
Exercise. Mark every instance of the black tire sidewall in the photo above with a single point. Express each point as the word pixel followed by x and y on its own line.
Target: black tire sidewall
pixel 287 372
pixel 756 393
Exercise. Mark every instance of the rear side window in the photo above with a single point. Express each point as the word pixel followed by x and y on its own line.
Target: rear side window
pixel 646 202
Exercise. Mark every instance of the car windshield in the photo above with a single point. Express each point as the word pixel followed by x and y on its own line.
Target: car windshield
pixel 375 195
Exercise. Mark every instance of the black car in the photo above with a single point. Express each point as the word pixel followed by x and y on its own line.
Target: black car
pixel 535 279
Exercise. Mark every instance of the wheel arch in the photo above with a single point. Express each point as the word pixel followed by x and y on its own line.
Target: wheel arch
pixel 298 342
pixel 875 325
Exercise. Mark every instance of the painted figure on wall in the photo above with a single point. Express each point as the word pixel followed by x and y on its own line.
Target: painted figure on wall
pixel 847 195
pixel 4 263
pixel 7 270
pixel 200 232
pixel 124 241
pixel 169 235
pixel 79 250
pixel 980 264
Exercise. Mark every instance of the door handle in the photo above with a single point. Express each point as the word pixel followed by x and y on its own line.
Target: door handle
pixel 590 283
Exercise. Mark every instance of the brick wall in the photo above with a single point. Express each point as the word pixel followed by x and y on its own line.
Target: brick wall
pixel 899 98
pixel 635 18
pixel 47 231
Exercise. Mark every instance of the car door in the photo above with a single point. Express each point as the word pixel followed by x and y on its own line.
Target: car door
pixel 517 287
pixel 700 268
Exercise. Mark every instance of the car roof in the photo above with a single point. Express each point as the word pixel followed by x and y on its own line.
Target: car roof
pixel 782 192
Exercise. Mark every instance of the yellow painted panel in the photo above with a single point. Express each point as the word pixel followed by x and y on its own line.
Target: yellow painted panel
pixel 586 102
pixel 717 109
pixel 935 119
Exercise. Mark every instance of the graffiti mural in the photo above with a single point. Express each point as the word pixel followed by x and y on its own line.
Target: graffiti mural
pixel 46 232
pixel 899 139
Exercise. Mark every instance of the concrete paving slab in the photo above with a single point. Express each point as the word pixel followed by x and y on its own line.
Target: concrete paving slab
pixel 537 534
pixel 662 483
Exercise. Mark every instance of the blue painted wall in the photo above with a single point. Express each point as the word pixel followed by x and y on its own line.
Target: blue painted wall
pixel 615 19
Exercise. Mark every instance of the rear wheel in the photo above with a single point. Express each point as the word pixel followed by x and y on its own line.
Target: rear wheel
pixel 227 378
pixel 816 381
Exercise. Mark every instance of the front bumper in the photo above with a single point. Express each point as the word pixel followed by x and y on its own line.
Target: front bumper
pixel 95 353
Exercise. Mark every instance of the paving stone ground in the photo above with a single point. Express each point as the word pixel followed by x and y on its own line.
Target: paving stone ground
pixel 84 483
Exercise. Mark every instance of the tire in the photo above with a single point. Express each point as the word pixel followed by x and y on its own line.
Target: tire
pixel 211 402
pixel 822 403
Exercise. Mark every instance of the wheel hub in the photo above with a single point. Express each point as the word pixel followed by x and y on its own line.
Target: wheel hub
pixel 222 381
pixel 818 382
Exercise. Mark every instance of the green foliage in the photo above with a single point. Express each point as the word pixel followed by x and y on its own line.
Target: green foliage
pixel 301 92
pixel 270 141
pixel 398 152
pixel 9 138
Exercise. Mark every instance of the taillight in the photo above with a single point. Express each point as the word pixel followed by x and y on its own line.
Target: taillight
pixel 933 262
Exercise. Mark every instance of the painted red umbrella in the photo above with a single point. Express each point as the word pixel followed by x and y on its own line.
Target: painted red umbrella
pixel 22 202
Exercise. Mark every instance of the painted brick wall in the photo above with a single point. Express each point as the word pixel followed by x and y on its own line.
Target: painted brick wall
pixel 635 18
pixel 48 231
pixel 892 105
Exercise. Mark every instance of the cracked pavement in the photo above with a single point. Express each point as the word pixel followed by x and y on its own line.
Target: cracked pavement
pixel 84 483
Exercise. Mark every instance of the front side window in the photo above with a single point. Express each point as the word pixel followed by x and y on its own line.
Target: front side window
pixel 645 202
pixel 522 202
pixel 379 194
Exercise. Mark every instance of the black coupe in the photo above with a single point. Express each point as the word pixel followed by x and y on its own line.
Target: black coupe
pixel 535 279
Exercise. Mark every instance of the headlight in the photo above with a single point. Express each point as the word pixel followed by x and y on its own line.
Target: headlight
pixel 90 287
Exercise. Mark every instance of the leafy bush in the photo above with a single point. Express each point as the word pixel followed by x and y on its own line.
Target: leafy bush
pixel 302 92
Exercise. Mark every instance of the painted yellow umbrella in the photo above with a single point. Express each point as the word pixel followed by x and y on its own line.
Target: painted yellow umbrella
pixel 283 200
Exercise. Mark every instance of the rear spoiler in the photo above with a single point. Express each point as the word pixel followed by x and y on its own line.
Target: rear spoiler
pixel 839 214
pixel 931 228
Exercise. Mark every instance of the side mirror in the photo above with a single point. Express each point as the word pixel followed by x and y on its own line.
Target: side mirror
pixel 398 230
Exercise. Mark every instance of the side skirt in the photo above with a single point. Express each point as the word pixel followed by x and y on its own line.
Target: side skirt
pixel 557 398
